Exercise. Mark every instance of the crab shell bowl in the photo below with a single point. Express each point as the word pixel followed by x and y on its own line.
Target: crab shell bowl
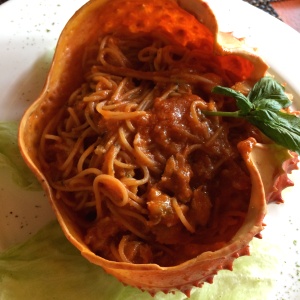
pixel 101 17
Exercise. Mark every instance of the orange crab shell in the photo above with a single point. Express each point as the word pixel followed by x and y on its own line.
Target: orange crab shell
pixel 66 74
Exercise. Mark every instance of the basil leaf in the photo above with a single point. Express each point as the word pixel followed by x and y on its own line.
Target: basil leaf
pixel 268 104
pixel 282 128
pixel 242 101
pixel 269 89
pixel 263 108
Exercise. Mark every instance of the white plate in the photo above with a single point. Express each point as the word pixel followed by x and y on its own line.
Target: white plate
pixel 28 34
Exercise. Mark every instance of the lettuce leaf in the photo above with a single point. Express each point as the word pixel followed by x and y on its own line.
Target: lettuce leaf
pixel 47 266
pixel 11 158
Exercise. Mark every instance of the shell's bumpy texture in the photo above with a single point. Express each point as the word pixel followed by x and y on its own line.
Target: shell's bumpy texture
pixel 66 73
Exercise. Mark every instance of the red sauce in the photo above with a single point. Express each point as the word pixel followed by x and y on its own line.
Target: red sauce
pixel 163 18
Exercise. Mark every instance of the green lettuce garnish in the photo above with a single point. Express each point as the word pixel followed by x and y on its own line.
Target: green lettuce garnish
pixel 47 266
pixel 11 158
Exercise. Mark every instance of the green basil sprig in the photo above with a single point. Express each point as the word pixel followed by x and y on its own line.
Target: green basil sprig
pixel 263 108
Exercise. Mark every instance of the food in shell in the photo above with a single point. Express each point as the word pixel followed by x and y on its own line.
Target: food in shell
pixel 143 184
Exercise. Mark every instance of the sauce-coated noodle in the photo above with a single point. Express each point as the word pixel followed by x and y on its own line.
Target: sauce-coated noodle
pixel 145 172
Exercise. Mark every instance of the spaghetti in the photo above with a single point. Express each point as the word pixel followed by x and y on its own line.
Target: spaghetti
pixel 149 177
